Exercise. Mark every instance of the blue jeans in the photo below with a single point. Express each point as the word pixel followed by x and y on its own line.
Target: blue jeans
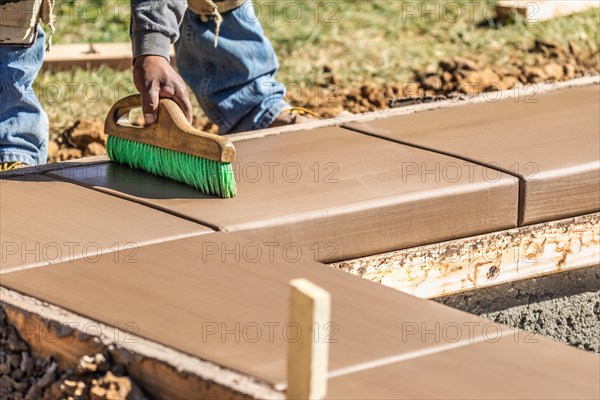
pixel 23 123
pixel 234 82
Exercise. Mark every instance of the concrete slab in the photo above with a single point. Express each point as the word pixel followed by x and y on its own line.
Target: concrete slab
pixel 47 221
pixel 523 366
pixel 225 300
pixel 333 193
pixel 550 141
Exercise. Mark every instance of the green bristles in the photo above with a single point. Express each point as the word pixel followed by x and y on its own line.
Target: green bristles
pixel 208 176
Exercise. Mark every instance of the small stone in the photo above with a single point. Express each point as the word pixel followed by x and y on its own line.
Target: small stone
pixel 574 49
pixel 72 388
pixel 366 90
pixel 569 71
pixel 465 64
pixel 479 81
pixel 85 132
pixel 20 386
pixel 16 374
pixel 553 71
pixel 15 343
pixel 448 65
pixel 5 382
pixel 52 149
pixel 68 154
pixel 432 82
pixel 534 74
pixel 111 387
pixel 26 363
pixel 48 378
pixel 94 149
pixel 447 77
pixel 430 69
pixel 55 391
pixel 13 360
pixel 508 82
pixel 95 363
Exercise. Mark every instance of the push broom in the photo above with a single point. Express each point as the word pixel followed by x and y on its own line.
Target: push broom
pixel 171 148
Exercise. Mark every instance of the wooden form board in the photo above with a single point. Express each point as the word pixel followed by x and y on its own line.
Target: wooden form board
pixel 486 260
pixel 534 11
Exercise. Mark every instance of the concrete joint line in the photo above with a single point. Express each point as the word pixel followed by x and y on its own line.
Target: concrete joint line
pixel 98 253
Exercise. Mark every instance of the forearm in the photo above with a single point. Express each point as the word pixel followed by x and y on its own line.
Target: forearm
pixel 155 25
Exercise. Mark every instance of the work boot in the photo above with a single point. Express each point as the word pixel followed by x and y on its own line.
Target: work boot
pixel 9 166
pixel 293 116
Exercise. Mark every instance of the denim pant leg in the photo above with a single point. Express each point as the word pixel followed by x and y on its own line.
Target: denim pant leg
pixel 234 82
pixel 23 122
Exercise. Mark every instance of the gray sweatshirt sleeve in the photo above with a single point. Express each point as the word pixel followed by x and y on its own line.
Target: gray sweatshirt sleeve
pixel 155 25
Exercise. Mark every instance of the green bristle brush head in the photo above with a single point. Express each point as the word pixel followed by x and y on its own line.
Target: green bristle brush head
pixel 208 176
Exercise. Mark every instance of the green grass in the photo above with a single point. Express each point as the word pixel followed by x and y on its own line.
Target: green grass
pixel 361 41
pixel 384 41
pixel 69 96
pixel 92 21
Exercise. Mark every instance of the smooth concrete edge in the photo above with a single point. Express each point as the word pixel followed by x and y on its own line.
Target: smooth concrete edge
pixel 43 326
pixel 486 260
pixel 42 169
pixel 109 250
pixel 133 199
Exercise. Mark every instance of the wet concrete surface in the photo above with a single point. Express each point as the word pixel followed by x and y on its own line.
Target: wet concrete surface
pixel 564 306
pixel 552 149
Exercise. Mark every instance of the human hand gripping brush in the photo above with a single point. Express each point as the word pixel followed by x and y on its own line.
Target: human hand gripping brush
pixel 171 148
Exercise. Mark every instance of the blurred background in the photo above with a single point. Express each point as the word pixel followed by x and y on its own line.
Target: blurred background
pixel 336 56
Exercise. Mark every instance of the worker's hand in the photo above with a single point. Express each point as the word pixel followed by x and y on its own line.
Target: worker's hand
pixel 154 78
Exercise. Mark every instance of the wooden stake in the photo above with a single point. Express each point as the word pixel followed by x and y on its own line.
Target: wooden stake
pixel 308 352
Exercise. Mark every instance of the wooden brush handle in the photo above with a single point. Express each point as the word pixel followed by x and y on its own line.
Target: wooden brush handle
pixel 170 131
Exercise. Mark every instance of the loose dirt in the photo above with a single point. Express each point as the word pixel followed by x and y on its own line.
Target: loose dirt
pixel 451 77
pixel 24 376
